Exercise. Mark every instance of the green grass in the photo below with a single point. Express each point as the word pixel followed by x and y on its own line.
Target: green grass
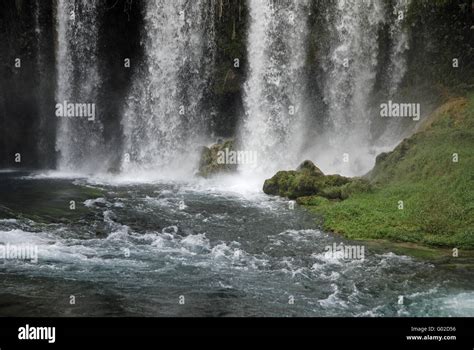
pixel 437 193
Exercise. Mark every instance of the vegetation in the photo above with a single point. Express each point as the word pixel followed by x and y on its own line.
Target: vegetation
pixel 210 164
pixel 422 192
pixel 307 180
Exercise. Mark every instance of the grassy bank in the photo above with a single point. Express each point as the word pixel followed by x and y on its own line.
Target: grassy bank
pixel 419 194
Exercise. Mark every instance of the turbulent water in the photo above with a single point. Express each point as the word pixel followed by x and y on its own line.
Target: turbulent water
pixel 164 116
pixel 79 140
pixel 138 249
pixel 274 91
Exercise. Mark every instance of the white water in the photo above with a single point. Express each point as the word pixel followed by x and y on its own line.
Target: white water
pixel 277 53
pixel 349 77
pixel 163 120
pixel 350 71
pixel 79 140
pixel 218 243
pixel 275 87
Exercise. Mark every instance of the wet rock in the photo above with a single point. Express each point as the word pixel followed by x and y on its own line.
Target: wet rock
pixel 306 180
pixel 213 159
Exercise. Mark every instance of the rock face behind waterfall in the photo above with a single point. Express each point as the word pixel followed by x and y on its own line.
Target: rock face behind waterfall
pixel 308 180
pixel 215 160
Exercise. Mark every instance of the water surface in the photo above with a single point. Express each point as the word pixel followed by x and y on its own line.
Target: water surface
pixel 135 249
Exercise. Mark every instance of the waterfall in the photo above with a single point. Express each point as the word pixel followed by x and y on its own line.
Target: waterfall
pixel 79 139
pixel 350 74
pixel 350 71
pixel 43 117
pixel 275 87
pixel 164 119
pixel 398 34
pixel 167 113
pixel 399 47
pixel 37 15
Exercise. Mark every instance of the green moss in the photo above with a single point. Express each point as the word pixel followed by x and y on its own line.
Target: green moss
pixel 358 185
pixel 306 180
pixel 210 163
pixel 231 29
pixel 312 200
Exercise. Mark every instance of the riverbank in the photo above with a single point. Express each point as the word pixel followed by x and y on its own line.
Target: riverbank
pixel 422 192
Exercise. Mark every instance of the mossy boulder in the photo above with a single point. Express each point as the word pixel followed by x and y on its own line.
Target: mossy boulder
pixel 213 159
pixel 309 168
pixel 307 180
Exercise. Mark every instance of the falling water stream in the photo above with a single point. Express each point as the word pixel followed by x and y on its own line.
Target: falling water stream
pixel 79 140
pixel 274 91
pixel 350 70
pixel 164 118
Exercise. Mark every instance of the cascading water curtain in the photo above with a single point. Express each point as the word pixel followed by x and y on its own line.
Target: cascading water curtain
pixel 399 45
pixel 274 115
pixel 163 118
pixel 350 71
pixel 399 40
pixel 79 135
pixel 44 118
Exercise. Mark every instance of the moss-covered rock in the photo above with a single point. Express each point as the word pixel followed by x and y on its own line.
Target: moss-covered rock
pixel 306 180
pixel 312 200
pixel 308 167
pixel 213 159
